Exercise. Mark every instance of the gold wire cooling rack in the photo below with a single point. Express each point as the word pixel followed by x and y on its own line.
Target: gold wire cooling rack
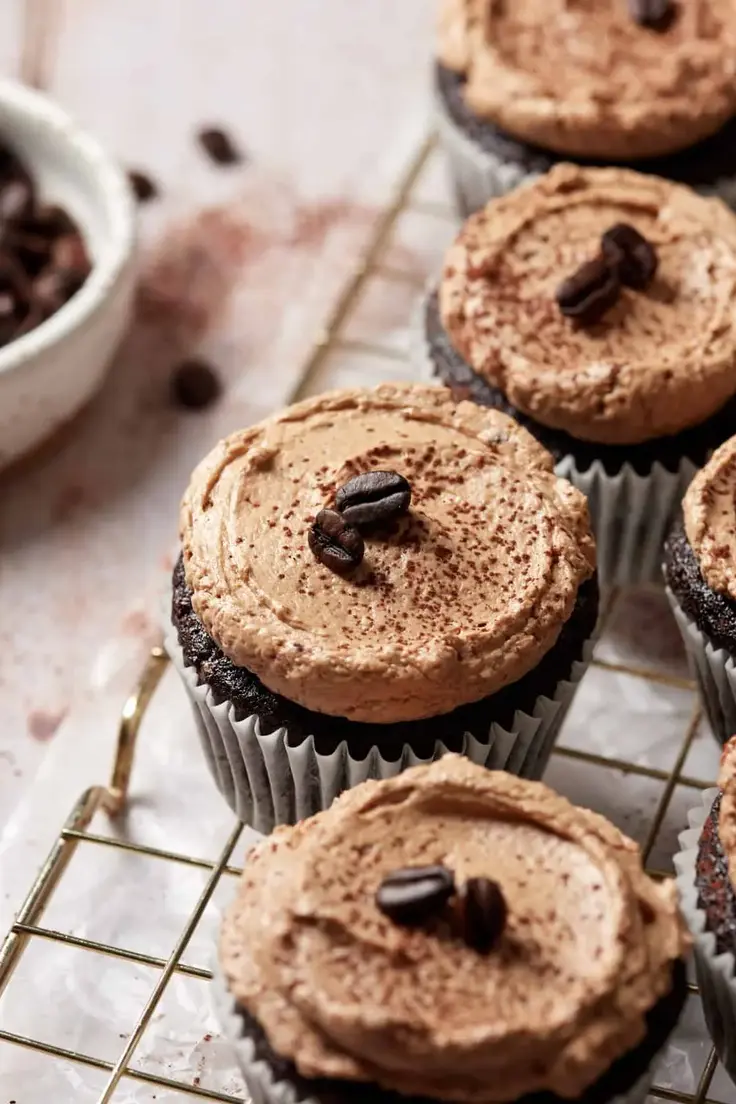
pixel 112 797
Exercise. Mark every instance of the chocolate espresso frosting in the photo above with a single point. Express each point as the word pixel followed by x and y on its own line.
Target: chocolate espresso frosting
pixel 657 362
pixel 463 595
pixel 727 813
pixel 586 80
pixel 709 510
pixel 343 992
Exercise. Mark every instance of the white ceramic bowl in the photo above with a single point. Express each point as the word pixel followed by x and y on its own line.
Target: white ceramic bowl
pixel 48 374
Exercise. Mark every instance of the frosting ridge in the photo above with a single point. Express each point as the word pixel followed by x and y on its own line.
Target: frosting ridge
pixel 709 511
pixel 461 596
pixel 659 361
pixel 585 80
pixel 343 992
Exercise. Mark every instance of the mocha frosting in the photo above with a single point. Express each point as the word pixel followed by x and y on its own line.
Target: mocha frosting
pixel 709 510
pixel 582 78
pixel 588 949
pixel 659 361
pixel 465 594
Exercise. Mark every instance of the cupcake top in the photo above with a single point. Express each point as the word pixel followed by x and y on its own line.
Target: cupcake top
pixel 453 598
pixel 587 79
pixel 660 359
pixel 580 942
pixel 709 510
pixel 727 814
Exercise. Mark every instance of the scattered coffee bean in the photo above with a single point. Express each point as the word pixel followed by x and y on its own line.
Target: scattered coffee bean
pixel 195 385
pixel 589 292
pixel 219 146
pixel 52 287
pixel 635 257
pixel 143 187
pixel 373 498
pixel 335 543
pixel 16 199
pixel 657 15
pixel 483 913
pixel 414 895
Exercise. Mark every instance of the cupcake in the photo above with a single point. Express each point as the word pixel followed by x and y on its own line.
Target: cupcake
pixel 648 84
pixel 706 880
pixel 368 580
pixel 598 308
pixel 451 934
pixel 700 573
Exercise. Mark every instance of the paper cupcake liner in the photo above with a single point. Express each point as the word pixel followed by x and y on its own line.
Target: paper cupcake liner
pixel 261 1081
pixel 715 972
pixel 478 175
pixel 714 671
pixel 630 514
pixel 268 782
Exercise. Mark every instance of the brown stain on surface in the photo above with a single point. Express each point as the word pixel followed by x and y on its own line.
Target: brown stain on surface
pixel 42 724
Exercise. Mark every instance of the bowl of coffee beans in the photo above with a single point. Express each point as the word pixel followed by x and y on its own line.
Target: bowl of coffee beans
pixel 67 236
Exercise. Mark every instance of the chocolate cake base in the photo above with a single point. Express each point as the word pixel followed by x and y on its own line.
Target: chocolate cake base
pixel 716 896
pixel 713 613
pixel 700 166
pixel 250 697
pixel 619 1079
pixel 694 444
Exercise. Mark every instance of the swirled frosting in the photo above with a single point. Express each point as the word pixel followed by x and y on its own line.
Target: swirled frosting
pixel 588 947
pixel 659 360
pixel 709 510
pixel 464 595
pixel 582 78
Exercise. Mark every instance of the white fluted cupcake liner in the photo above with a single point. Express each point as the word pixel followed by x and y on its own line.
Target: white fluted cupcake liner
pixel 630 514
pixel 260 1078
pixel 267 782
pixel 715 972
pixel 714 671
pixel 477 175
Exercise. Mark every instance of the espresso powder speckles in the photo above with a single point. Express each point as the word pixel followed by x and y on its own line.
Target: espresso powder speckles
pixel 695 443
pixel 715 891
pixel 250 697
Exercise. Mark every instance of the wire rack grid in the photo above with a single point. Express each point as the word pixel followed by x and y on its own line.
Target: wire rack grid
pixel 111 798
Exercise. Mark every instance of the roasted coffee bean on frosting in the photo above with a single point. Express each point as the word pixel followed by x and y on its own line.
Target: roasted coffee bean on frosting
pixel 373 498
pixel 43 258
pixel 590 291
pixel 483 912
pixel 335 543
pixel 635 257
pixel 658 15
pixel 416 894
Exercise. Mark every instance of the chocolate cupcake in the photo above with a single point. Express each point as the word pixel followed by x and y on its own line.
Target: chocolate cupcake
pixel 369 580
pixel 597 307
pixel 452 934
pixel 700 573
pixel 706 880
pixel 522 85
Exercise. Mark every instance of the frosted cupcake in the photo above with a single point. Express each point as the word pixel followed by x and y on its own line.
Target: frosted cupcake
pixel 649 84
pixel 706 880
pixel 700 572
pixel 452 934
pixel 598 308
pixel 370 579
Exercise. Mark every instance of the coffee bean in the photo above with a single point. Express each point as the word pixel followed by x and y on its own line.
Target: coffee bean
pixel 49 220
pixel 589 292
pixel 483 913
pixel 143 187
pixel 335 543
pixel 635 257
pixel 657 15
pixel 415 894
pixel 70 253
pixel 219 146
pixel 16 199
pixel 373 498
pixel 194 384
pixel 52 288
